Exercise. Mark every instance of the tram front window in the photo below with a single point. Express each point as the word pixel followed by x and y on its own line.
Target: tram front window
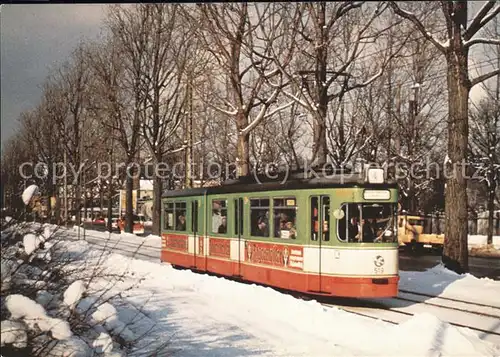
pixel 367 223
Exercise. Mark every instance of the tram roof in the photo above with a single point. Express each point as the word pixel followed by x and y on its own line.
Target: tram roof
pixel 284 181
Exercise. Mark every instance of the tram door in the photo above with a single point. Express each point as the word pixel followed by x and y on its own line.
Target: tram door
pixel 238 231
pixel 320 233
pixel 194 229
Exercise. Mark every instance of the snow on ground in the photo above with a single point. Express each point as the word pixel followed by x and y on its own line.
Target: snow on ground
pixel 148 240
pixel 480 241
pixel 202 315
pixel 440 281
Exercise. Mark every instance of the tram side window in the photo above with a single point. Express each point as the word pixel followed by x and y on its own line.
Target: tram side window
pixel 168 218
pixel 285 214
pixel 259 217
pixel 180 216
pixel 219 216
pixel 314 218
pixel 325 207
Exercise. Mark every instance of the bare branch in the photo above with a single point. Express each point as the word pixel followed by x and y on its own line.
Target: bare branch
pixel 487 41
pixel 484 77
pixel 420 26
pixel 481 19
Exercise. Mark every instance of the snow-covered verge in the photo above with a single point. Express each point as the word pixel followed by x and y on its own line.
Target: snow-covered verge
pixel 478 246
pixel 149 240
pixel 201 315
pixel 54 301
pixel 204 315
pixel 475 241
pixel 440 281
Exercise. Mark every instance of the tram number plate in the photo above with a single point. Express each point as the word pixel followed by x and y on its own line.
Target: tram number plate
pixel 378 270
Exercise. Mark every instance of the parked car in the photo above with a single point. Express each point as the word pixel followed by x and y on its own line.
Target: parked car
pixel 99 220
pixel 138 227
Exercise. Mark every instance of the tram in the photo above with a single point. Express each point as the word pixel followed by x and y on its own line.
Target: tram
pixel 334 236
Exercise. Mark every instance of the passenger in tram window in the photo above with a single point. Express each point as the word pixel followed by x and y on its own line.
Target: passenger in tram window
pixel 291 229
pixel 223 226
pixel 262 228
pixel 216 216
pixel 280 223
pixel 181 225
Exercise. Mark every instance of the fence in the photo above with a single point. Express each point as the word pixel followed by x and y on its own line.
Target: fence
pixel 477 225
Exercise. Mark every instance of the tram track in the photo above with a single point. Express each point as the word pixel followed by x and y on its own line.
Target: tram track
pixel 477 311
pixel 119 245
pixel 378 309
pixel 448 299
pixel 380 314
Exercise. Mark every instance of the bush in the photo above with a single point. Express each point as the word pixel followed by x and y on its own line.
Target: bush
pixel 53 300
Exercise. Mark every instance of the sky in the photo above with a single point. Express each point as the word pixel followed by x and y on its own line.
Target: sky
pixel 32 39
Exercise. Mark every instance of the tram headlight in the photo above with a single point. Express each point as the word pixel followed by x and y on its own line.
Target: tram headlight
pixel 375 175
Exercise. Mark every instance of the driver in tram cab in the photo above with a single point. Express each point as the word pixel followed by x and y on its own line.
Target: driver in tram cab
pixel 368 231
pixel 354 229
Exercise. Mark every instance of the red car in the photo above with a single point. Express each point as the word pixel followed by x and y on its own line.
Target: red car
pixel 99 220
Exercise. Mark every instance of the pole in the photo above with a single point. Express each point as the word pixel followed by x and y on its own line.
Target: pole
pixel 65 182
pixel 84 203
pixel 189 135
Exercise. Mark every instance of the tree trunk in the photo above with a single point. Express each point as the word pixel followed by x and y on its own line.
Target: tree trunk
pixel 78 212
pixel 50 192
pixel 319 148
pixel 243 155
pixel 129 215
pixel 491 209
pixel 455 252
pixel 243 146
pixel 157 190
pixel 110 205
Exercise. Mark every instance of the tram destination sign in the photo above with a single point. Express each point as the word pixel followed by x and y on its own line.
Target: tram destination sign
pixel 376 194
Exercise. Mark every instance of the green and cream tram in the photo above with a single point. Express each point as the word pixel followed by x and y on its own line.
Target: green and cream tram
pixel 334 235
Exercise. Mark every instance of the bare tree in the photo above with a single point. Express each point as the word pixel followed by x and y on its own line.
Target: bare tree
pixel 14 153
pixel 110 98
pixel 129 31
pixel 485 150
pixel 240 38
pixel 459 37
pixel 334 38
pixel 289 135
pixel 68 109
pixel 165 53
pixel 41 131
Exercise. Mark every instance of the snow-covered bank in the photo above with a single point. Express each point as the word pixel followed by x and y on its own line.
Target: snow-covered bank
pixel 476 241
pixel 201 315
pixel 214 316
pixel 440 281
pixel 48 306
